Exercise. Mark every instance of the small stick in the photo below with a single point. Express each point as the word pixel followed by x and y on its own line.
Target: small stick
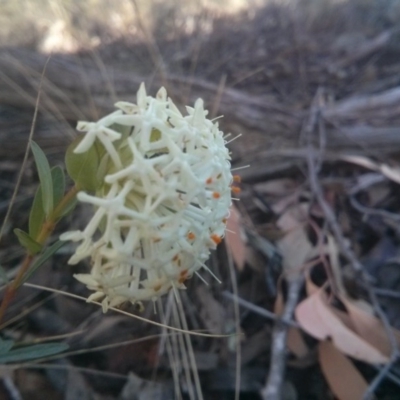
pixel 273 388
pixel 313 165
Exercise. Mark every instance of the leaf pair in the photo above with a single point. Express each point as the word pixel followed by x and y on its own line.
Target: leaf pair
pixel 48 195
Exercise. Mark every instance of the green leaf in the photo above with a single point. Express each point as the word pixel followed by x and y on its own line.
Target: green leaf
pixel 36 216
pixel 27 242
pixel 83 167
pixel 3 275
pixel 32 352
pixel 43 258
pixel 5 345
pixel 45 178
pixel 58 178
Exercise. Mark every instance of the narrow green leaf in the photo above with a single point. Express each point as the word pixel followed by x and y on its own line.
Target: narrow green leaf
pixel 36 216
pixel 45 178
pixel 83 167
pixel 32 352
pixel 5 345
pixel 27 242
pixel 3 275
pixel 43 258
pixel 58 178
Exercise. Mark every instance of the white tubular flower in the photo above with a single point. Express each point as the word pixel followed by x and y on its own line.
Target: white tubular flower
pixel 163 201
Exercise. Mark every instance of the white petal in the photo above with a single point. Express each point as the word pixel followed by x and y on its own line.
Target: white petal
pixel 141 96
pixel 86 279
pixel 162 94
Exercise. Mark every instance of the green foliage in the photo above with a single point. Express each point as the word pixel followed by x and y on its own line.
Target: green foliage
pixel 5 346
pixel 52 186
pixel 45 177
pixel 58 178
pixel 27 242
pixel 83 167
pixel 3 275
pixel 36 216
pixel 9 354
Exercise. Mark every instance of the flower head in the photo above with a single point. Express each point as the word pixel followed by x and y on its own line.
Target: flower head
pixel 162 201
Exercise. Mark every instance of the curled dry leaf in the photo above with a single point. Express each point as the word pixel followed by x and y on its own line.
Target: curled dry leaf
pixel 360 315
pixel 343 378
pixel 361 161
pixel 234 238
pixel 368 326
pixel 294 245
pixel 392 173
pixel 318 318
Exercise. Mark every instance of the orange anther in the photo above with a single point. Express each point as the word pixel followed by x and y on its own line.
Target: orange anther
pixel 216 195
pixel 191 236
pixel 209 181
pixel 237 178
pixel 236 189
pixel 216 238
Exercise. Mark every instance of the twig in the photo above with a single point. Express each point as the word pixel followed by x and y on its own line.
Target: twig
pixel 369 393
pixel 372 211
pixel 273 388
pixel 351 258
pixel 394 294
pixel 11 388
pixel 357 105
pixel 394 378
pixel 259 310
pixel 366 49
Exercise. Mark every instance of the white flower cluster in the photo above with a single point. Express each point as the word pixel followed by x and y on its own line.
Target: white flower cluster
pixel 163 203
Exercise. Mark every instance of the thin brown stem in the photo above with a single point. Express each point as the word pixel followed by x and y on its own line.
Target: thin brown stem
pixel 46 230
pixel 12 287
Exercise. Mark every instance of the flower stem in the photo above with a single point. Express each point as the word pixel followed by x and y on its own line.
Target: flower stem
pixel 46 230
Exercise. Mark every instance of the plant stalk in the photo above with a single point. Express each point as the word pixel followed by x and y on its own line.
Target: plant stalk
pixel 46 230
